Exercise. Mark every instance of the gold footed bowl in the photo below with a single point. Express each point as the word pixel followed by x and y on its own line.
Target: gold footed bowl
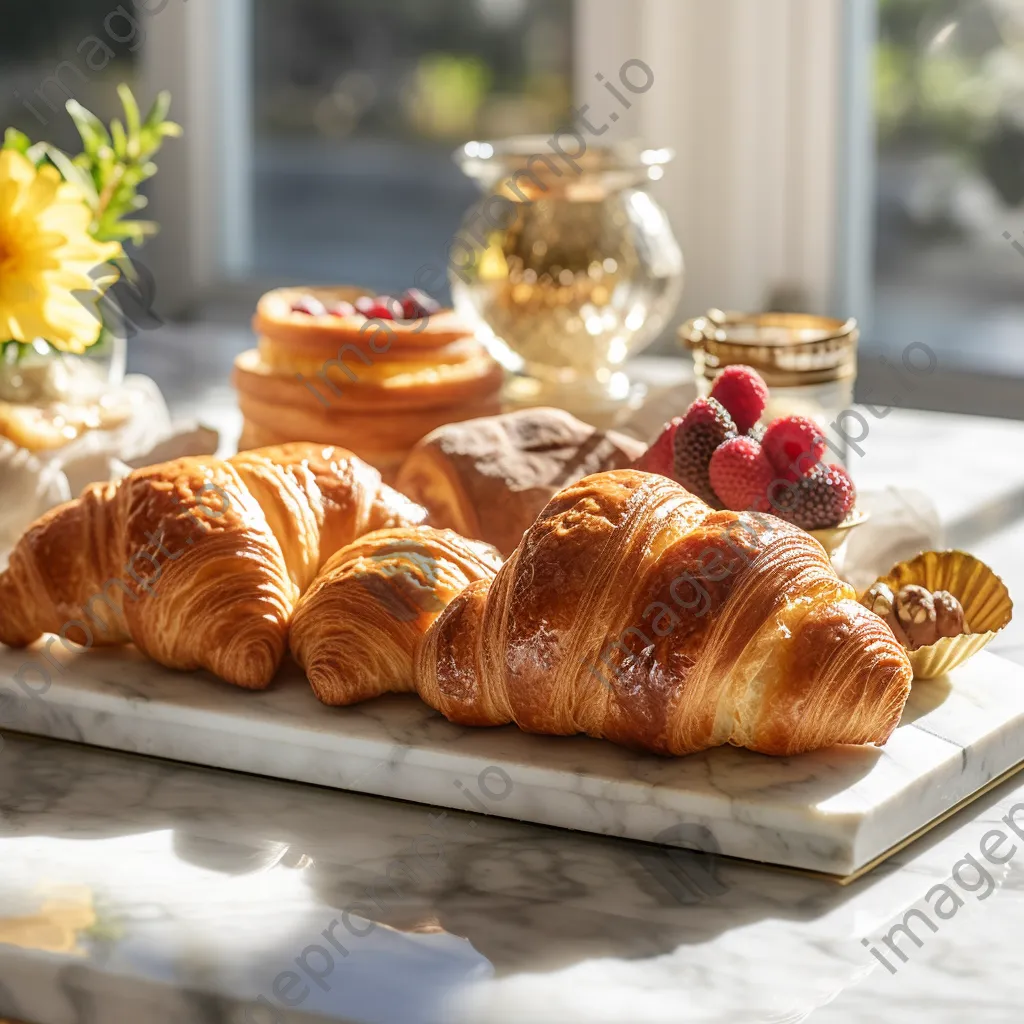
pixel 833 538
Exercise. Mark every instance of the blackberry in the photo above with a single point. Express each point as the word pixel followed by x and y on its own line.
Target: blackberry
pixel 757 432
pixel 705 426
pixel 818 501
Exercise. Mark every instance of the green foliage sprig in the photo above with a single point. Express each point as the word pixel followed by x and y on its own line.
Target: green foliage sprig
pixel 113 164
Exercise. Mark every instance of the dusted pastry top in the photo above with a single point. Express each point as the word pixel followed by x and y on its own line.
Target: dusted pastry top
pixel 491 477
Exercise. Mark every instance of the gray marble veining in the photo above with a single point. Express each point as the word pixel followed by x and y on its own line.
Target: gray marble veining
pixel 206 885
pixel 138 890
pixel 832 810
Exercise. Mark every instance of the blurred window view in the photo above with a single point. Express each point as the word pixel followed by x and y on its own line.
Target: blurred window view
pixel 358 107
pixel 53 50
pixel 949 263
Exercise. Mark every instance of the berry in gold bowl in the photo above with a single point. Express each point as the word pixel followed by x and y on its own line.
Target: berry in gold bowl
pixel 720 451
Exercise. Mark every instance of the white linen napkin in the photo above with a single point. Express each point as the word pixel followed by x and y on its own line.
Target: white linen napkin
pixel 32 483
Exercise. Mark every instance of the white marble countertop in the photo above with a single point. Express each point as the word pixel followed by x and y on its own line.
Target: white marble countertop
pixel 134 890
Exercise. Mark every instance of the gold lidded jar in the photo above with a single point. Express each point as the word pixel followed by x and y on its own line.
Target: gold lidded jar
pixel 809 362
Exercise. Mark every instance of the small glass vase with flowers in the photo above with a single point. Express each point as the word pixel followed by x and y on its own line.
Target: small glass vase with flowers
pixel 64 272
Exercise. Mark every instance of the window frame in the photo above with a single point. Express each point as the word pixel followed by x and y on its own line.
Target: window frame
pixel 202 196
pixel 770 190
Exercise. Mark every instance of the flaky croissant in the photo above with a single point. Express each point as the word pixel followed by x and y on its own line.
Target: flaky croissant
pixel 198 562
pixel 633 612
pixel 356 630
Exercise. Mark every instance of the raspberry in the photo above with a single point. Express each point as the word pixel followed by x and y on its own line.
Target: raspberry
pixel 342 309
pixel 818 501
pixel 705 426
pixel 743 393
pixel 417 304
pixel 794 444
pixel 383 307
pixel 740 473
pixel 659 458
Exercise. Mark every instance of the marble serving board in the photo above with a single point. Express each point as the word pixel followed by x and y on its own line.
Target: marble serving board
pixel 832 811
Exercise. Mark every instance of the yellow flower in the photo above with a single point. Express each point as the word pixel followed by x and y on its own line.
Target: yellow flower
pixel 52 272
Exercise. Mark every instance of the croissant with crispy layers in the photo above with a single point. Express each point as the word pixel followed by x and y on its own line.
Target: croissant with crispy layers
pixel 633 612
pixel 356 629
pixel 199 562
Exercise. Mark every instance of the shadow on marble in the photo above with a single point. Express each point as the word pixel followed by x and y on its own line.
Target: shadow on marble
pixel 527 897
pixel 544 888
pixel 929 695
pixel 970 530
pixel 809 810
pixel 507 900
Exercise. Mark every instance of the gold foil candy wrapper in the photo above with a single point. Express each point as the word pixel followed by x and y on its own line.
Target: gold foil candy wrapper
pixel 982 594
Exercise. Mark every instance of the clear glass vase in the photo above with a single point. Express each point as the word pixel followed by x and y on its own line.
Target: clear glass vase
pixel 566 269
pixel 41 374
pixel 52 397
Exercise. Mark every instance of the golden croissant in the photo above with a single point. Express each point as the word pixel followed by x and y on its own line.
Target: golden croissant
pixel 356 630
pixel 633 612
pixel 199 562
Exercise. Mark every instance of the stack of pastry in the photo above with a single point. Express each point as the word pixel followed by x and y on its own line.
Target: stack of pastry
pixel 375 374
